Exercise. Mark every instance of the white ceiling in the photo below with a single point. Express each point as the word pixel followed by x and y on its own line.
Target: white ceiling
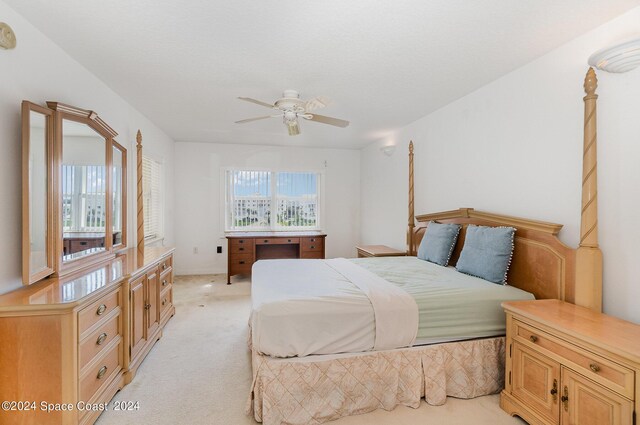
pixel 384 63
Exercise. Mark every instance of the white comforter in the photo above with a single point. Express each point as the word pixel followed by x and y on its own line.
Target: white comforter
pixel 303 307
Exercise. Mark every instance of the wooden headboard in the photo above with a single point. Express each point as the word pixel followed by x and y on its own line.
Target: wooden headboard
pixel 541 263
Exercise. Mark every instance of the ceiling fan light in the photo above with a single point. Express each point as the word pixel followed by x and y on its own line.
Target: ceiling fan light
pixel 293 128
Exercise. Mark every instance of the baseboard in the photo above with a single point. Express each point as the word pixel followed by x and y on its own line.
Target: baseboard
pixel 195 272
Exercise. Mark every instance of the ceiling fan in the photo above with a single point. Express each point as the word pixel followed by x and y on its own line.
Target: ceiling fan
pixel 291 107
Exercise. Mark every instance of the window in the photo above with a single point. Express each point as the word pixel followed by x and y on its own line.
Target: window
pixel 152 198
pixel 267 200
pixel 83 198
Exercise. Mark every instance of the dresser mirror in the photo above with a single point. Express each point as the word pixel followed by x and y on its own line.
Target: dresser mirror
pixel 84 191
pixel 37 248
pixel 74 195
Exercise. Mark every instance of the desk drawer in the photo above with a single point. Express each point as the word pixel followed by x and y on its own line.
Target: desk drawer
pixel 277 241
pixel 312 244
pixel 89 316
pixel 100 374
pixel 241 245
pixel 98 340
pixel 610 374
pixel 312 254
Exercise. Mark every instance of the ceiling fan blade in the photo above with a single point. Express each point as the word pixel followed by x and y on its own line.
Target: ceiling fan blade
pixel 257 102
pixel 255 119
pixel 316 103
pixel 328 120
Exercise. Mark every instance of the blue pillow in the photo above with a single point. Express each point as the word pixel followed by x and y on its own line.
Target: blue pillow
pixel 487 252
pixel 438 242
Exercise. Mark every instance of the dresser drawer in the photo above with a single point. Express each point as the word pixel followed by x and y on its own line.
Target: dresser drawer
pixel 166 300
pixel 241 245
pixel 166 280
pixel 277 241
pixel 610 374
pixel 98 340
pixel 90 315
pixel 312 244
pixel 166 264
pixel 100 374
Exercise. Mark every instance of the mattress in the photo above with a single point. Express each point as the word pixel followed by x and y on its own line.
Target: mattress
pixel 302 307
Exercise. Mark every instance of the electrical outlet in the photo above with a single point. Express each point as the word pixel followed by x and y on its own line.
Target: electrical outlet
pixel 219 250
pixel 195 249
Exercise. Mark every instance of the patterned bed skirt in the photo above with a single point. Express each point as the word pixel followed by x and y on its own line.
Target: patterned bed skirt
pixel 302 391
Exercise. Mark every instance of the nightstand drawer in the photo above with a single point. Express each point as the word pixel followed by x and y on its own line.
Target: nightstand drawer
pixel 610 374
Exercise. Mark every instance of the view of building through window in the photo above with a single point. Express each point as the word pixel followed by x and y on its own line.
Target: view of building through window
pixel 264 200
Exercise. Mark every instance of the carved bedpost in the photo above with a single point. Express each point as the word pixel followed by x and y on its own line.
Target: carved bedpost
pixel 588 256
pixel 140 202
pixel 412 217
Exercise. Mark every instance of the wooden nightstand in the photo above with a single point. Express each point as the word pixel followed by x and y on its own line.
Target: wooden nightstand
pixel 570 365
pixel 378 251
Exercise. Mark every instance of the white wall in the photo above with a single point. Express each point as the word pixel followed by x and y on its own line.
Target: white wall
pixel 38 70
pixel 515 147
pixel 199 211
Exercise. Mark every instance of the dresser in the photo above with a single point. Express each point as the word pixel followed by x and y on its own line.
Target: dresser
pixel 68 345
pixel 570 365
pixel 244 248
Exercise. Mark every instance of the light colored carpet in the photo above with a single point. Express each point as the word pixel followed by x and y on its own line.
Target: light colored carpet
pixel 199 372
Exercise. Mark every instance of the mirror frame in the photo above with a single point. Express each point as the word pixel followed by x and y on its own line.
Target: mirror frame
pixel 56 113
pixel 123 151
pixel 27 277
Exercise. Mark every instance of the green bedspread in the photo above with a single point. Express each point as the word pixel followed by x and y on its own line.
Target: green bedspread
pixel 452 305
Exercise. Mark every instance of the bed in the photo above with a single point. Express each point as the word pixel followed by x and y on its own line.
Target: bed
pixel 338 367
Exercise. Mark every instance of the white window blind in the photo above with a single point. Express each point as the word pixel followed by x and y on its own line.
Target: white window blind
pixel 268 200
pixel 152 198
pixel 83 198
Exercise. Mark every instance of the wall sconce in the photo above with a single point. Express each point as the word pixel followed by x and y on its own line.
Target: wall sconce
pixel 622 57
pixel 388 149
pixel 7 37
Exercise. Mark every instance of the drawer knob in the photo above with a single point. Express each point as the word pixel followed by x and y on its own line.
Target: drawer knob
pixel 312 240
pixel 241 262
pixel 565 398
pixel 100 311
pixel 101 338
pixel 312 247
pixel 266 240
pixel 554 390
pixel 594 367
pixel 164 266
pixel 533 338
pixel 289 240
pixel 241 249
pixel 102 372
pixel 164 301
pixel 147 306
pixel 164 282
pixel 241 241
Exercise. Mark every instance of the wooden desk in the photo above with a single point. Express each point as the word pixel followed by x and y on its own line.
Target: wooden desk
pixel 246 248
pixel 378 251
